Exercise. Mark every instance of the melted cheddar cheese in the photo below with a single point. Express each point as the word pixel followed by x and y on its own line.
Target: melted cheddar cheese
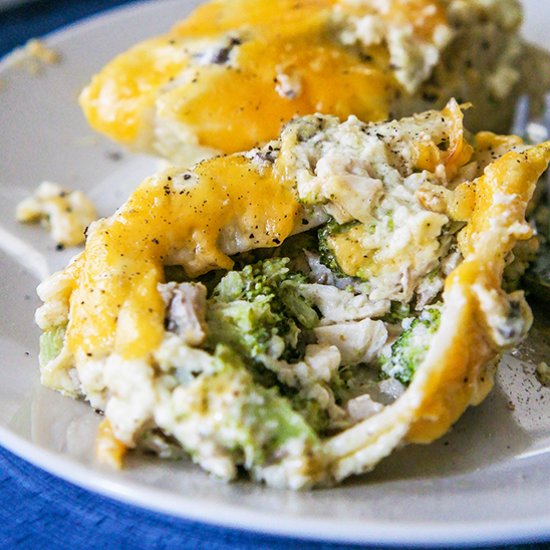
pixel 459 368
pixel 236 104
pixel 462 372
pixel 192 219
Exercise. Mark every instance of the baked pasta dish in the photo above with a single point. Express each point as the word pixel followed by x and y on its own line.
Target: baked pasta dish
pixel 301 309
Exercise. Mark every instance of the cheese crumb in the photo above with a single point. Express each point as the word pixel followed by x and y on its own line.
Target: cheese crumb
pixel 65 213
pixel 109 450
pixel 34 56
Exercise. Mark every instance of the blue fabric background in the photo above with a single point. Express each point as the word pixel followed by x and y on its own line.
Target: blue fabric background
pixel 38 510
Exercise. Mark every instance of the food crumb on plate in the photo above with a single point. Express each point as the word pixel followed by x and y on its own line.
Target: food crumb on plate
pixel 66 213
pixel 543 373
pixel 34 56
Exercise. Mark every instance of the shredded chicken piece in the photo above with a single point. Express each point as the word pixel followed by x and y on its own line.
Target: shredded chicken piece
pixel 185 311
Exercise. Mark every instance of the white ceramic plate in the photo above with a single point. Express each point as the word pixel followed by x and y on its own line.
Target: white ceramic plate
pixel 486 482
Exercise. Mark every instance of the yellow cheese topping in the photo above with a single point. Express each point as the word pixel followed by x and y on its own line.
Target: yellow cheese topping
pixel 115 100
pixel 173 218
pixel 233 107
pixel 496 204
pixel 109 450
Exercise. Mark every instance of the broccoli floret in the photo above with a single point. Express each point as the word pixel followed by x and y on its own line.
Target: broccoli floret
pixel 264 411
pixel 259 310
pixel 398 312
pixel 252 328
pixel 311 411
pixel 260 279
pixel 328 237
pixel 253 422
pixel 326 254
pixel 297 305
pixel 410 349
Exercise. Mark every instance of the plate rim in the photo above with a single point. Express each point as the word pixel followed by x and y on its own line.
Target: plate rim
pixel 380 532
pixel 374 531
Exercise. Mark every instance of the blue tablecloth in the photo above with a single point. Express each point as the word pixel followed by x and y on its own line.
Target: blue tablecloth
pixel 38 510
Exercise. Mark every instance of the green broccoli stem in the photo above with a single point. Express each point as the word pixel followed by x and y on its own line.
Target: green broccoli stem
pixel 259 311
pixel 326 254
pixel 51 343
pixel 260 422
pixel 409 350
